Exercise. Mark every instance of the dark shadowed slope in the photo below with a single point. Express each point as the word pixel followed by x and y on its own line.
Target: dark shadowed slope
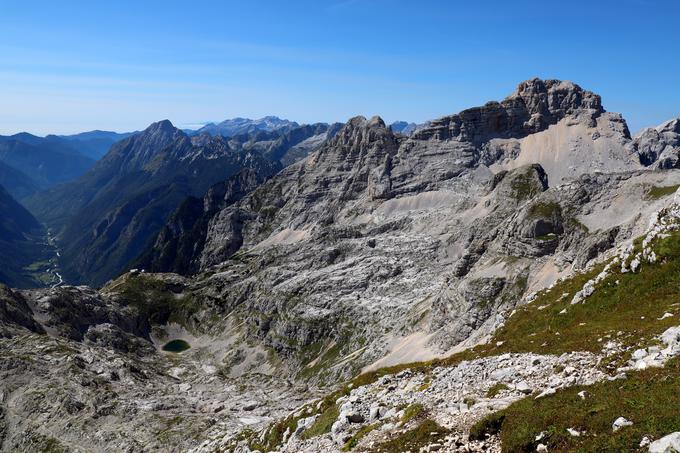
pixel 47 162
pixel 18 184
pixel 22 243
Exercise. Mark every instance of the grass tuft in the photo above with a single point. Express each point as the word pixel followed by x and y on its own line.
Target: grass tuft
pixel 413 411
pixel 356 438
pixel 496 389
pixel 323 423
pixel 428 431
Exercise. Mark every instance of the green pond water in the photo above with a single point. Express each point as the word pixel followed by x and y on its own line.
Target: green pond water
pixel 176 346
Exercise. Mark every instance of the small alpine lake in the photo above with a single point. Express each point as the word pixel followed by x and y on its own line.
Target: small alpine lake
pixel 176 346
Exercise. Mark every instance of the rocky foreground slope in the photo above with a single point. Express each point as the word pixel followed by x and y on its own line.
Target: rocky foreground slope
pixel 378 250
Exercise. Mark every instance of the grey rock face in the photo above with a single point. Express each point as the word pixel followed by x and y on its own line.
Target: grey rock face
pixel 110 336
pixel 358 148
pixel 179 245
pixel 532 108
pixel 660 146
pixel 15 313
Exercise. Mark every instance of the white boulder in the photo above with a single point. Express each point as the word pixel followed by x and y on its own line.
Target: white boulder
pixel 667 444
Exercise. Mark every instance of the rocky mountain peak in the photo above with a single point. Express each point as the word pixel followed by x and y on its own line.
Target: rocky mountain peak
pixel 160 134
pixel 535 105
pixel 376 121
pixel 139 149
pixel 670 126
pixel 359 128
pixel 163 126
pixel 360 138
pixel 361 122
pixel 159 131
pixel 555 98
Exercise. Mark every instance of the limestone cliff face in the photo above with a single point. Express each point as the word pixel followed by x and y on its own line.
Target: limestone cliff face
pixel 308 194
pixel 535 105
pixel 366 163
pixel 179 244
pixel 660 146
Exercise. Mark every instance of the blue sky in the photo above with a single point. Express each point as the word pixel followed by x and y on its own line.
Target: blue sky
pixel 72 66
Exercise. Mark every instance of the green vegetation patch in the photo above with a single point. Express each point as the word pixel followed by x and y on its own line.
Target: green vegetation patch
pixel 544 210
pixel 426 384
pixel 526 185
pixel 326 359
pixel 413 411
pixel 323 423
pixel 656 192
pixel 650 399
pixel 496 389
pixel 356 438
pixel 155 301
pixel 41 443
pixel 427 432
pixel 469 401
pixel 626 311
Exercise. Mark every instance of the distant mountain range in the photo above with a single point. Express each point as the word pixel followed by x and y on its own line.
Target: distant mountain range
pixel 110 212
pixel 16 182
pixel 32 163
pixel 29 164
pixel 45 161
pixel 94 144
pixel 405 128
pixel 108 216
pixel 239 126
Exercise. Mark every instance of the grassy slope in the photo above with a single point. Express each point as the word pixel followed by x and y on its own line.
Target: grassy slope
pixel 627 312
pixel 650 399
